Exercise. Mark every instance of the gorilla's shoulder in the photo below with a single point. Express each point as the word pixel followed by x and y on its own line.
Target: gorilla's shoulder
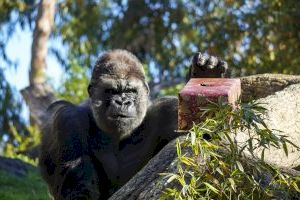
pixel 57 105
pixel 165 102
pixel 162 117
pixel 66 114
pixel 166 105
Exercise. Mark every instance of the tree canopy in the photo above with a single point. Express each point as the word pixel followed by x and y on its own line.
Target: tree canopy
pixel 253 36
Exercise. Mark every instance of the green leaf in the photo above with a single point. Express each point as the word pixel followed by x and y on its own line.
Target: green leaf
pixel 178 148
pixel 219 171
pixel 188 161
pixel 293 144
pixel 263 155
pixel 173 177
pixel 212 188
pixel 240 166
pixel 193 138
pixel 232 183
pixel 285 148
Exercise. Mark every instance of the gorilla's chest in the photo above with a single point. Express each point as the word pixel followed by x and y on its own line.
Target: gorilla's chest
pixel 130 161
pixel 120 166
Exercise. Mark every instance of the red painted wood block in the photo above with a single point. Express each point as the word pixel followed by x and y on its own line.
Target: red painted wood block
pixel 198 92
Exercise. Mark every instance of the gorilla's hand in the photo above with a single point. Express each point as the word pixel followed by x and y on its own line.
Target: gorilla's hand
pixel 204 66
pixel 204 62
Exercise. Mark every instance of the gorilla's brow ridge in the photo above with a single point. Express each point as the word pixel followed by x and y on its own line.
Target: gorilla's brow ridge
pixel 117 69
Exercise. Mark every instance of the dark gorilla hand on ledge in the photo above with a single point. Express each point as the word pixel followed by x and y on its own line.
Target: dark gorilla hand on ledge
pixel 90 150
pixel 206 66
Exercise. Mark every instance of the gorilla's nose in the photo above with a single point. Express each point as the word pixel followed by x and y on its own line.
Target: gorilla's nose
pixel 118 102
pixel 127 102
pixel 123 102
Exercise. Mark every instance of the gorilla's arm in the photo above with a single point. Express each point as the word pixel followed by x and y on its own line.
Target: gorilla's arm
pixel 162 118
pixel 163 115
pixel 64 160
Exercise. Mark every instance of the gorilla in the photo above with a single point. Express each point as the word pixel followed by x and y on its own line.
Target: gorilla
pixel 90 150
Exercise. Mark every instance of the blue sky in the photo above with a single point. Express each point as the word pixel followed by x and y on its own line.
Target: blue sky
pixel 19 50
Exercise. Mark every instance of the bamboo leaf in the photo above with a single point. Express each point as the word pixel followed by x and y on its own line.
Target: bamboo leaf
pixel 173 177
pixel 240 166
pixel 178 148
pixel 232 183
pixel 285 148
pixel 212 188
pixel 263 155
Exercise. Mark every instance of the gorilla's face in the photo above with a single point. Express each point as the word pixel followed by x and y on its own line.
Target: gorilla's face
pixel 119 105
pixel 119 95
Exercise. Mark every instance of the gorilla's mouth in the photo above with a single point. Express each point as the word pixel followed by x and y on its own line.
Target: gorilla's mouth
pixel 121 116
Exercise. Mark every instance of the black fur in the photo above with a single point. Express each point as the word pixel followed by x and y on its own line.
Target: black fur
pixel 205 66
pixel 79 159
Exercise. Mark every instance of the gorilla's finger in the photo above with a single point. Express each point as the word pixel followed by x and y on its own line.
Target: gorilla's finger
pixel 222 66
pixel 202 60
pixel 195 58
pixel 212 62
pixel 198 59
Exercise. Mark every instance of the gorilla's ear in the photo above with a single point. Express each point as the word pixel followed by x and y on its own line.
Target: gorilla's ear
pixel 90 90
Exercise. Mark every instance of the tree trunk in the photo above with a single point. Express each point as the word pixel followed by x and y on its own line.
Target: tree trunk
pixel 42 30
pixel 38 95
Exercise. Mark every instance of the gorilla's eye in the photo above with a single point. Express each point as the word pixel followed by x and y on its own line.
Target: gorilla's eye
pixel 110 91
pixel 131 90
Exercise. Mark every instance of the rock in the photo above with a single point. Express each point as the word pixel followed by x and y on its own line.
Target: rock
pixel 283 114
pixel 263 85
pixel 15 166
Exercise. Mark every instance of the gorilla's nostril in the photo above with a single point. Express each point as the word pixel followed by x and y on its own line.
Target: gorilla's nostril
pixel 122 102
pixel 118 102
pixel 127 103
